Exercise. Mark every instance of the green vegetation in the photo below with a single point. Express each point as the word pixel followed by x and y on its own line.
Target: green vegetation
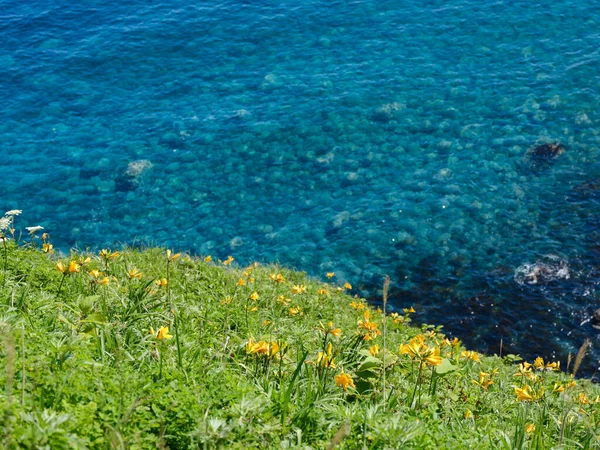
pixel 149 349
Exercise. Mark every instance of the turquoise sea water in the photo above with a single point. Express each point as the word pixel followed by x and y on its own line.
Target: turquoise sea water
pixel 364 137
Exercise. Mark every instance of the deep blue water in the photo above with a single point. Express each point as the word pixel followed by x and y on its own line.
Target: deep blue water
pixel 364 137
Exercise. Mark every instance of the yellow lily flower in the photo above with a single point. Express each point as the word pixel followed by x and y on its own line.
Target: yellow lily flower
pixel 60 267
pixel 172 257
pixel 277 278
pixel 298 289
pixel 467 354
pixel 325 359
pixel 434 358
pixel 163 333
pixel 262 348
pixel 134 273
pixel 85 261
pixel 524 394
pixel 357 305
pixel 344 380
pixel 107 254
pixel 538 363
pixel 73 267
pixel 483 382
pixel 330 329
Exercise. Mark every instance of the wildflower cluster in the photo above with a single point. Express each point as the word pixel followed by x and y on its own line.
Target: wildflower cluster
pixel 367 328
pixel 277 278
pixel 72 268
pixel 418 350
pixel 532 388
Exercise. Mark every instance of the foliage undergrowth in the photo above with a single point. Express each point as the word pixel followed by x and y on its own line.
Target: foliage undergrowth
pixel 142 349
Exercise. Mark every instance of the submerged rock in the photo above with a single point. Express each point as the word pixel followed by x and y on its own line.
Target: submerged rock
pixel 544 154
pixel 136 168
pixel 387 112
pixel 596 319
pixel 130 179
pixel 548 151
pixel 541 272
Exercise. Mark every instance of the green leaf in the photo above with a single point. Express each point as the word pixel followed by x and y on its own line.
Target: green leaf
pixel 364 386
pixel 63 319
pixel 368 368
pixel 366 374
pixel 369 364
pixel 365 352
pixel 452 396
pixel 390 359
pixel 511 359
pixel 86 303
pixel 94 318
pixel 445 367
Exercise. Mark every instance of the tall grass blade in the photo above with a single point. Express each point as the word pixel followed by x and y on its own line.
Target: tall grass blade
pixel 288 392
pixel 386 288
pixel 580 355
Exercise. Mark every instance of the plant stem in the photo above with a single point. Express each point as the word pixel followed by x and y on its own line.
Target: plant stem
pixel 175 321
pixel 247 326
pixel 22 365
pixel 433 382
pixel 61 283
pixel 386 287
pixel 102 345
pixel 176 326
pixel 160 364
pixel 5 260
pixel 417 383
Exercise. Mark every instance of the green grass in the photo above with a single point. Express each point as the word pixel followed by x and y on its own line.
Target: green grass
pixel 249 371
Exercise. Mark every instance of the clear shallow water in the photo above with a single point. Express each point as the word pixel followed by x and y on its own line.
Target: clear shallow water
pixel 365 137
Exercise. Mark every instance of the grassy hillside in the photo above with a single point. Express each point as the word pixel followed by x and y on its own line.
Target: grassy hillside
pixel 149 349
